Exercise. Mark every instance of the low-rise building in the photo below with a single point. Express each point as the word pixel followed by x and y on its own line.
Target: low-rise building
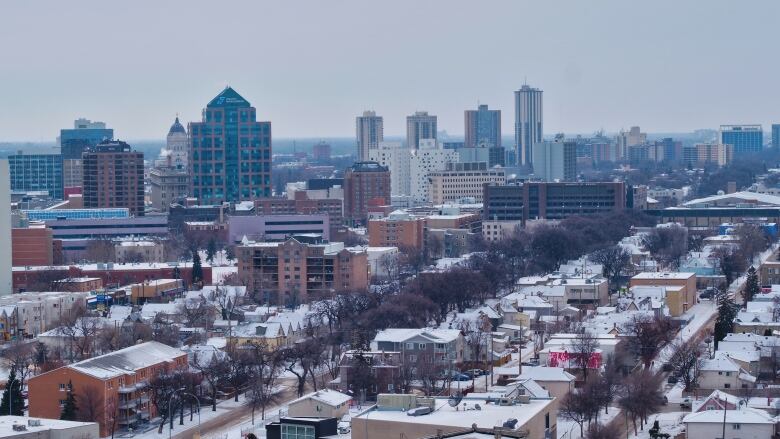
pixel 119 379
pixel 156 291
pixel 724 373
pixel 463 180
pixel 25 427
pixel 442 346
pixel 32 246
pixel 139 251
pixel 321 404
pixel 399 229
pixel 678 300
pixel 741 423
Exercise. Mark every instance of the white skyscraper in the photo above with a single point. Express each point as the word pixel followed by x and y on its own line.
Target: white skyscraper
pixel 555 161
pixel 409 168
pixel 528 122
pixel 369 133
pixel 6 286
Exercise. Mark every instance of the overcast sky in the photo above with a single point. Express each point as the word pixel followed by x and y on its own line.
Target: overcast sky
pixel 311 66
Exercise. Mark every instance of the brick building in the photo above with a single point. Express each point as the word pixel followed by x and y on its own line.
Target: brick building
pixel 114 177
pixel 290 272
pixel 118 383
pixel 364 183
pixel 302 205
pixel 399 229
pixel 32 246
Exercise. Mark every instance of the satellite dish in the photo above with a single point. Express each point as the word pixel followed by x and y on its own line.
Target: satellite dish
pixel 477 406
pixel 455 399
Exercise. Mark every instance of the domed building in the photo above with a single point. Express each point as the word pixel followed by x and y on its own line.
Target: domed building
pixel 174 155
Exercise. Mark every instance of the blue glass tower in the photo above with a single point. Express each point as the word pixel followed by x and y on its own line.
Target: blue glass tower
pixel 746 139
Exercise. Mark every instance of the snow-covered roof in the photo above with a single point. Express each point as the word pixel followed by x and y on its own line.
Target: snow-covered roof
pixel 545 373
pixel 721 363
pixel 400 335
pixel 742 416
pixel 325 396
pixel 127 360
pixel 734 198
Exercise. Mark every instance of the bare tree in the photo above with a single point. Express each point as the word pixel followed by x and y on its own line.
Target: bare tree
pixel 89 401
pixel 667 244
pixel 641 396
pixel 579 407
pixel 614 261
pixel 599 431
pixel 20 356
pixel 647 335
pixel 584 347
pixel 161 390
pixel 685 361
pixel 214 370
pixel 264 367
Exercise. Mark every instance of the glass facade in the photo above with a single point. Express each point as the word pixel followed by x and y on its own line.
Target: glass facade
pixel 75 141
pixel 290 431
pixel 746 139
pixel 36 172
pixel 45 215
pixel 230 152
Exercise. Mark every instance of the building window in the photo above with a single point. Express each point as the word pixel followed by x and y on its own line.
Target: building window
pixel 421 346
pixel 297 431
pixel 62 387
pixel 410 346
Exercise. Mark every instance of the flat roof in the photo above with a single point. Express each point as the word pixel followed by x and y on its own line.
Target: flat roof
pixel 7 422
pixel 663 275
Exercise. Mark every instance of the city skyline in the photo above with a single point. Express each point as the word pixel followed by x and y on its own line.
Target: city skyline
pixel 310 72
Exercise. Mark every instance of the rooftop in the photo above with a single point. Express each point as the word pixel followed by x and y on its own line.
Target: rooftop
pixel 7 423
pixel 663 275
pixel 127 360
pixel 743 416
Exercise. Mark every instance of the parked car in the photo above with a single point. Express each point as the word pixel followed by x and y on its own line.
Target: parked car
pixel 344 427
pixel 672 379
pixel 460 377
pixel 474 372
pixel 685 403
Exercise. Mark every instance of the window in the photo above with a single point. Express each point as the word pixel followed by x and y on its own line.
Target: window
pixel 421 346
pixel 736 426
pixel 410 346
pixel 62 387
pixel 727 386
pixel 297 431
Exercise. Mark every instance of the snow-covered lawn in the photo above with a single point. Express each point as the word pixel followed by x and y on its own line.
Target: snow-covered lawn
pixel 571 430
pixel 669 422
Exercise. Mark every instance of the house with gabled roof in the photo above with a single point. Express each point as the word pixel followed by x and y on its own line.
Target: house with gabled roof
pixel 441 345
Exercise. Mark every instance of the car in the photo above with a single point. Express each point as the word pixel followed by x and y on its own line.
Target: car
pixel 685 403
pixel 344 427
pixel 672 380
pixel 474 372
pixel 666 367
pixel 460 377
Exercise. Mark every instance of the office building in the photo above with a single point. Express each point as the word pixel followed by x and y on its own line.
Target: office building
pixel 542 200
pixel 290 273
pixel 365 184
pixel 120 378
pixel 32 246
pixel 419 126
pixel 492 155
pixel 483 127
pixel 5 228
pixel 167 185
pixel 668 149
pixel 462 181
pixel 776 135
pixel 114 177
pixel 502 202
pixel 229 152
pixel 555 161
pixel 277 227
pixel 174 154
pixel 529 126
pixel 369 132
pixel 746 139
pixel 84 134
pixel 302 204
pixel 36 173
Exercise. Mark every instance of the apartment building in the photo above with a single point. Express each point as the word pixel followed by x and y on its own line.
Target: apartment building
pixel 302 204
pixel 681 291
pixel 399 229
pixel 291 272
pixel 114 177
pixel 120 378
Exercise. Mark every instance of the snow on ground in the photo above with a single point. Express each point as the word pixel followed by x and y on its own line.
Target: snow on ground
pixel 568 429
pixel 699 314
pixel 669 422
pixel 206 414
pixel 674 394
pixel 218 274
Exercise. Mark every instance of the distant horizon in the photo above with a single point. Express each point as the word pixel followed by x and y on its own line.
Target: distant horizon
pixel 311 67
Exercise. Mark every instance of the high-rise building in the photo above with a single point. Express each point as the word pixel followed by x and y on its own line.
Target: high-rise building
pixel 776 135
pixel 420 126
pixel 6 286
pixel 529 127
pixel 36 172
pixel 556 160
pixel 483 127
pixel 167 185
pixel 702 154
pixel 369 133
pixel 627 139
pixel 365 183
pixel 114 177
pixel 174 154
pixel 72 173
pixel 746 139
pixel 560 200
pixel 83 135
pixel 229 152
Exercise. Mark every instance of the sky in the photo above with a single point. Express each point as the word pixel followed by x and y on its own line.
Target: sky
pixel 311 66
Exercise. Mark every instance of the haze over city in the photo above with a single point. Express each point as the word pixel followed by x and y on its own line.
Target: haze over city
pixel 310 67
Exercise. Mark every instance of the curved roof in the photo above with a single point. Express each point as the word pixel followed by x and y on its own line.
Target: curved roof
pixel 177 128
